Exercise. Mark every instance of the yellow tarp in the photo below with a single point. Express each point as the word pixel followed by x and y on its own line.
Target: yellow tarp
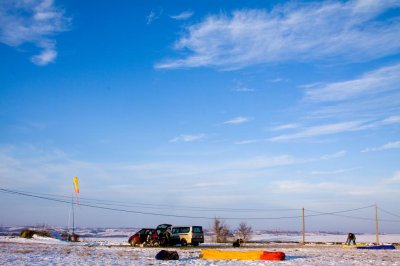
pixel 210 254
pixel 353 246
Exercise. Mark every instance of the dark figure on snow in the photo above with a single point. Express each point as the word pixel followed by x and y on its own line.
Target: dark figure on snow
pixel 351 238
pixel 238 243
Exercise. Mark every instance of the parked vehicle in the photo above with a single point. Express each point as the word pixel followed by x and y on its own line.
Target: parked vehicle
pixel 145 237
pixel 164 234
pixel 187 235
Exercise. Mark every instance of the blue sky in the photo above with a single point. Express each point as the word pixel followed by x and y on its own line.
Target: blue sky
pixel 215 104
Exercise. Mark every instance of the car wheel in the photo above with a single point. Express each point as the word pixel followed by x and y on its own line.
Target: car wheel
pixel 195 244
pixel 183 242
pixel 133 242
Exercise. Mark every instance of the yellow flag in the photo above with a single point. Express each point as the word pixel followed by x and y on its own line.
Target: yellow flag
pixel 76 185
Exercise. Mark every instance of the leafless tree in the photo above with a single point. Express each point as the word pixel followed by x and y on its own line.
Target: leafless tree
pixel 221 231
pixel 244 231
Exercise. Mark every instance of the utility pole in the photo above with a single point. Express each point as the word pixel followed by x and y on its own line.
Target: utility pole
pixel 376 224
pixel 73 216
pixel 303 227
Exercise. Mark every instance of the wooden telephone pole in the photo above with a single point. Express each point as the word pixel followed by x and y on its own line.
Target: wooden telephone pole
pixel 376 224
pixel 303 227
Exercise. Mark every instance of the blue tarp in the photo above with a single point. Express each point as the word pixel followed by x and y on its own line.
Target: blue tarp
pixel 378 247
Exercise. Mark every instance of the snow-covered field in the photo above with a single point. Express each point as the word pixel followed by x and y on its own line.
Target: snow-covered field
pixel 110 247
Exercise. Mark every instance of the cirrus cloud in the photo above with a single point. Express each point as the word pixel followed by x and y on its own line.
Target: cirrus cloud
pixel 351 30
pixel 391 120
pixel 238 120
pixel 372 83
pixel 183 16
pixel 387 146
pixel 395 178
pixel 188 138
pixel 322 130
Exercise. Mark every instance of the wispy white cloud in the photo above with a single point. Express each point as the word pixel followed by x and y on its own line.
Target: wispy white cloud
pixel 333 172
pixel 210 184
pixel 188 138
pixel 183 16
pixel 334 155
pixel 285 127
pixel 387 146
pixel 300 186
pixel 297 186
pixel 237 120
pixel 46 56
pixel 374 82
pixel 351 30
pixel 248 141
pixel 395 178
pixel 240 86
pixel 153 15
pixel 391 120
pixel 372 98
pixel 373 95
pixel 244 89
pixel 335 128
pixel 322 130
pixel 260 162
pixel 275 80
pixel 35 22
pixel 362 191
pixel 372 108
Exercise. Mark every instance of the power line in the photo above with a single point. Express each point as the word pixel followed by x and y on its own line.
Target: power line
pixel 90 204
pixel 341 215
pixel 140 212
pixel 352 217
pixel 389 212
pixel 93 206
pixel 154 206
pixel 336 212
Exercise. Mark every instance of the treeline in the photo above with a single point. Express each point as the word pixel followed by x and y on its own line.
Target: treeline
pixel 222 232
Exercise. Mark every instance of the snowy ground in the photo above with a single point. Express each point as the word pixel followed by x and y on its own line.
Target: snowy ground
pixel 110 247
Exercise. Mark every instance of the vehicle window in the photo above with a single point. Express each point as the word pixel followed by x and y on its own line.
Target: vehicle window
pixel 175 230
pixel 185 230
pixel 163 226
pixel 197 229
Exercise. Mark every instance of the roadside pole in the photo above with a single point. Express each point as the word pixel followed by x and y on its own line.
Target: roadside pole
pixel 376 224
pixel 304 228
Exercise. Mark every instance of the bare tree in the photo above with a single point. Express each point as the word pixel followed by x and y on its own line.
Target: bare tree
pixel 221 231
pixel 244 231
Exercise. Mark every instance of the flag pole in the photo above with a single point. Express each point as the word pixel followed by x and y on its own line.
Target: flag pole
pixel 74 237
pixel 73 216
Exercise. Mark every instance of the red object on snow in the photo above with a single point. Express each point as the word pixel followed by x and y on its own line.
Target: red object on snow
pixel 266 255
